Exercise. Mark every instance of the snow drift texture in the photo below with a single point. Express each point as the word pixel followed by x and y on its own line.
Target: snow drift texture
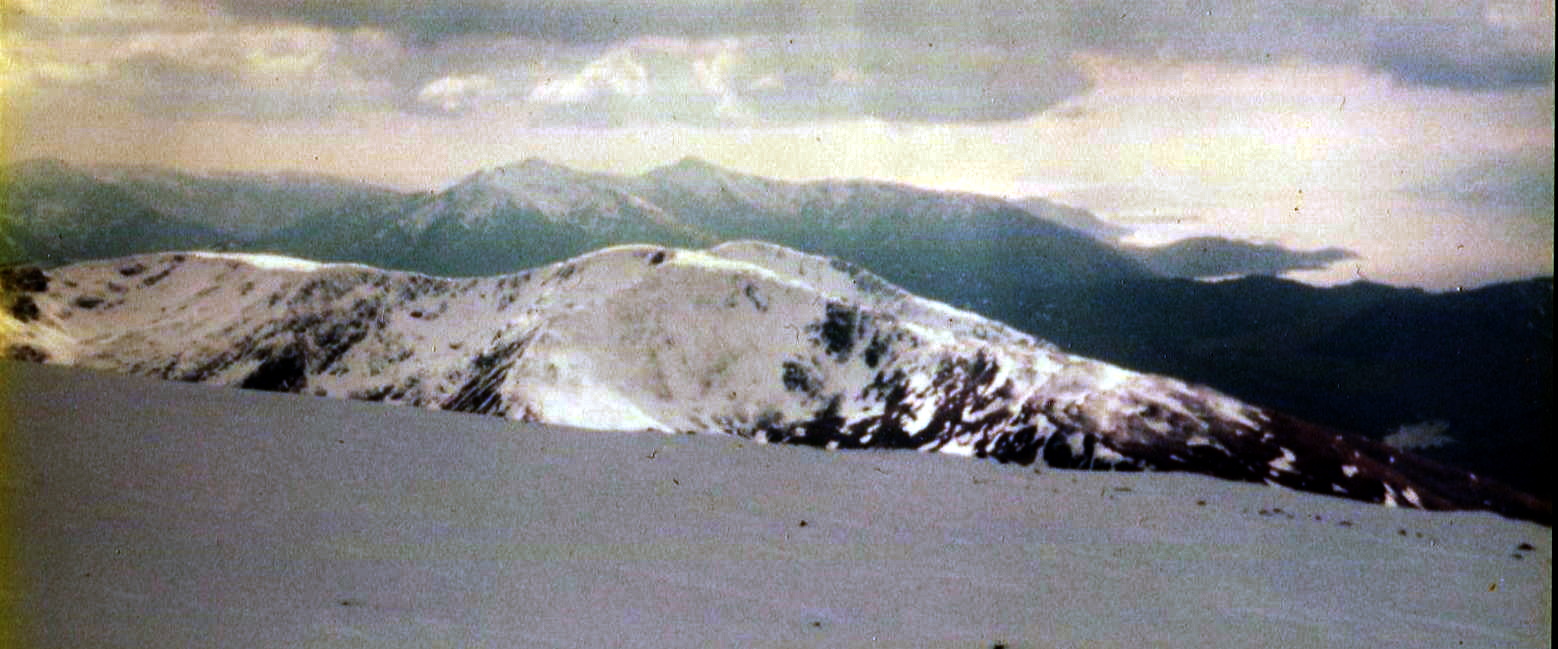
pixel 159 514
pixel 746 339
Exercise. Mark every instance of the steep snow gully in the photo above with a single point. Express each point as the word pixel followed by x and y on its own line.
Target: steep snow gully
pixel 747 339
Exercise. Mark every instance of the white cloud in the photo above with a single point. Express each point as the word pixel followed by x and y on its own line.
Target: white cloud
pixel 650 80
pixel 456 93
pixel 849 76
pixel 766 82
pixel 617 73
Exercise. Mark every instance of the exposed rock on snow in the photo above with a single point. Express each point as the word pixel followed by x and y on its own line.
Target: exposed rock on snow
pixel 746 339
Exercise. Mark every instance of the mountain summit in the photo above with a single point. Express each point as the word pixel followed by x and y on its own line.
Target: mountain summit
pixel 747 339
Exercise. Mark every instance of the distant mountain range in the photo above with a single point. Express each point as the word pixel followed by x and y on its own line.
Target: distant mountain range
pixel 747 339
pixel 516 216
pixel 243 206
pixel 1476 365
pixel 52 213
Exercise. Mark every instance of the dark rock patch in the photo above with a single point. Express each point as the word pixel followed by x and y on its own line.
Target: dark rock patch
pixel 285 372
pixel 480 393
pixel 152 279
pixel 876 350
pixel 836 331
pixel 27 353
pixel 23 279
pixel 1058 451
pixel 799 379
pixel 375 394
pixel 824 428
pixel 758 301
pixel 24 308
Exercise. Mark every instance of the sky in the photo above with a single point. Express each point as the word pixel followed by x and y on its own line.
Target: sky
pixel 1418 135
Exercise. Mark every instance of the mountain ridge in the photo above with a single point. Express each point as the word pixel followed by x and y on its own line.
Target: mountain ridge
pixel 1234 335
pixel 748 339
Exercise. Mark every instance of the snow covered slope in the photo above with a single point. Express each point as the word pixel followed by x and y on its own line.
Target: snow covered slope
pixel 747 339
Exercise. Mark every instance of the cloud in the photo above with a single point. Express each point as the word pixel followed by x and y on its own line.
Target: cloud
pixel 1459 45
pixel 1206 257
pixel 1439 42
pixel 778 61
pixel 780 80
pixel 646 80
pixel 249 72
pixel 454 93
pixel 1520 182
pixel 617 74
pixel 1458 55
pixel 587 22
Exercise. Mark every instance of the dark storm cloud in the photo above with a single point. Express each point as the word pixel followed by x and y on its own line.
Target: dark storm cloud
pixel 210 79
pixel 924 64
pixel 1518 182
pixel 1450 44
pixel 573 22
pixel 1204 257
pixel 1456 55
pixel 1455 45
pixel 787 61
pixel 1484 75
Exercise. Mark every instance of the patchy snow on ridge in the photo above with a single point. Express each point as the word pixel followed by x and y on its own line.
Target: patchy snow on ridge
pixel 746 339
pixel 266 261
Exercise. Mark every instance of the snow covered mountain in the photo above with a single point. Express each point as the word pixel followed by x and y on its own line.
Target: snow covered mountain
pixel 494 221
pixel 747 339
pixel 975 251
pixel 531 213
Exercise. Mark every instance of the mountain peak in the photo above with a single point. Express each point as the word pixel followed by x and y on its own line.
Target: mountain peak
pixel 534 163
pixel 528 172
pixel 534 167
pixel 694 162
pixel 690 166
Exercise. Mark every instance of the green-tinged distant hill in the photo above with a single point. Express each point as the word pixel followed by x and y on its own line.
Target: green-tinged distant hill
pixel 51 213
pixel 244 206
